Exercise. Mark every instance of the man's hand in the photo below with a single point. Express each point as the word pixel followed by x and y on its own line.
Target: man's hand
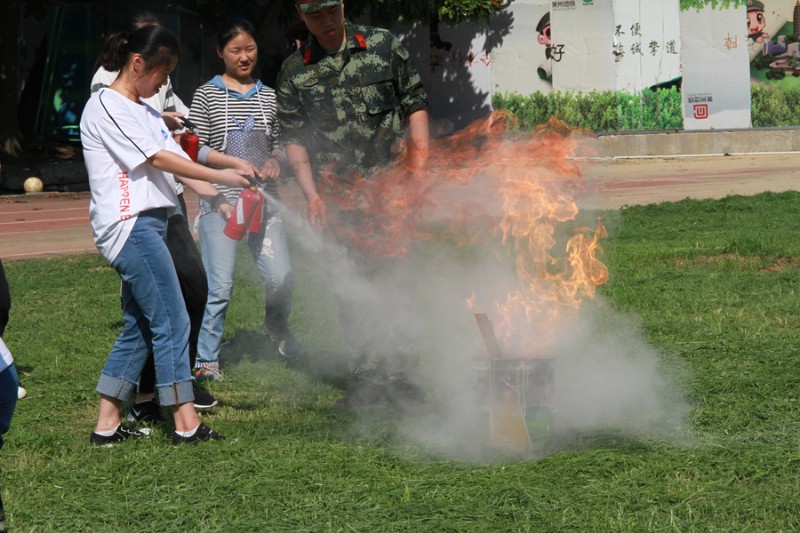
pixel 271 169
pixel 301 167
pixel 316 212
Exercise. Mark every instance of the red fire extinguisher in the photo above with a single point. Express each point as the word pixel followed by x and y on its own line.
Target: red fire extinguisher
pixel 190 142
pixel 247 215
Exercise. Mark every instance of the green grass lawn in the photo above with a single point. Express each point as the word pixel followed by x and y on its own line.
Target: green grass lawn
pixel 709 289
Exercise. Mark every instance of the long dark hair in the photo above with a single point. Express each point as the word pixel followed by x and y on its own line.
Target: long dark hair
pixel 157 45
pixel 132 22
pixel 233 27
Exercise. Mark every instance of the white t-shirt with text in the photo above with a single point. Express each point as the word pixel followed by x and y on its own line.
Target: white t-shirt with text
pixel 118 136
pixel 164 100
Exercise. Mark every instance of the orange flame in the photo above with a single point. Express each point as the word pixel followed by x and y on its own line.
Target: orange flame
pixel 471 302
pixel 526 183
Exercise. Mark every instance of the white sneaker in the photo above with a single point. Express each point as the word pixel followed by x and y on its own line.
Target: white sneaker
pixel 21 393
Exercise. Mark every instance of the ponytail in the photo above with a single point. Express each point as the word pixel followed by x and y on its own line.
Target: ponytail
pixel 109 56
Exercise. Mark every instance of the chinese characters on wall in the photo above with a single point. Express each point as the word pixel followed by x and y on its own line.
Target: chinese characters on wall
pixel 628 41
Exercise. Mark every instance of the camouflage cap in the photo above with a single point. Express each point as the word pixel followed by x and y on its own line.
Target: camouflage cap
pixel 310 6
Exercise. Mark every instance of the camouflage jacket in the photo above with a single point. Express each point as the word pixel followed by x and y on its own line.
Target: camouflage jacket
pixel 349 109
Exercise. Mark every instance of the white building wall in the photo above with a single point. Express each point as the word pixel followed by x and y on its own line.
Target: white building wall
pixel 716 69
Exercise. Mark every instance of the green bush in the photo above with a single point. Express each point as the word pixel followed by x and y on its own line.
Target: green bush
pixel 596 111
pixel 772 105
pixel 775 105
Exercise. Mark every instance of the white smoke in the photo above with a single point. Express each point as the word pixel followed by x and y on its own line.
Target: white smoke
pixel 607 378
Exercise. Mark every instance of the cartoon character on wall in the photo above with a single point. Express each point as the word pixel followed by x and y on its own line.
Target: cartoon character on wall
pixel 772 42
pixel 545 70
pixel 756 21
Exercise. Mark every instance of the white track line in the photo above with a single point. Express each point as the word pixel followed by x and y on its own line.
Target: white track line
pixel 55 253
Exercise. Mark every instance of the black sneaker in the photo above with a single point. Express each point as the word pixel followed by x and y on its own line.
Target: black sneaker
pixel 202 434
pixel 122 433
pixel 145 412
pixel 203 398
pixel 288 346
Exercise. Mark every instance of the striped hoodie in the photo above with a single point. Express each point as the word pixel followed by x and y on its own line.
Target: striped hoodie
pixel 213 107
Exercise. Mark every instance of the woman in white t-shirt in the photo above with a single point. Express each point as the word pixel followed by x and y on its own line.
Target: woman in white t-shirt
pixel 180 241
pixel 131 159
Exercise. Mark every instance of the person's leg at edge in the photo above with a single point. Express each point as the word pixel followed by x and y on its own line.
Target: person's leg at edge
pixel 8 401
pixel 8 398
pixel 5 300
pixel 219 259
pixel 5 309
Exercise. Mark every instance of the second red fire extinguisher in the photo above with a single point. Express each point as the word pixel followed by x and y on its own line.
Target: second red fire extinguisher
pixel 190 142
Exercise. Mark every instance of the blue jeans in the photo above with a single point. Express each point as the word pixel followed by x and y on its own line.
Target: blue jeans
pixel 271 254
pixel 155 318
pixel 194 287
pixel 8 398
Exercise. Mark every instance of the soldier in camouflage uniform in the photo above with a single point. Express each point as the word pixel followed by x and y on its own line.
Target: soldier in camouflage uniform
pixel 345 100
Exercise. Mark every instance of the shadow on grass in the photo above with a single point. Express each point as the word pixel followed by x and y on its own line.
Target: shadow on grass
pixel 23 370
pixel 247 344
pixel 382 384
pixel 339 369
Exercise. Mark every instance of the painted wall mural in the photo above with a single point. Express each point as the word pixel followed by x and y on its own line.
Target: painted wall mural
pixel 712 53
pixel 588 45
pixel 523 63
pixel 773 41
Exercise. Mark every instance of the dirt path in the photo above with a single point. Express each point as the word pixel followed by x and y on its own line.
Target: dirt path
pixel 52 225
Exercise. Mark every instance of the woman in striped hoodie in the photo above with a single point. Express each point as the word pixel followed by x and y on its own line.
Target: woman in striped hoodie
pixel 235 114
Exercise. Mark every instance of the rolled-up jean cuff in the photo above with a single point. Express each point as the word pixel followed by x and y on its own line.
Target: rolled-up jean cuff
pixel 115 387
pixel 175 393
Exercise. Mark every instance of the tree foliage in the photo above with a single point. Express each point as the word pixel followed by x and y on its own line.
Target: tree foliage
pixel 382 12
pixel 387 12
